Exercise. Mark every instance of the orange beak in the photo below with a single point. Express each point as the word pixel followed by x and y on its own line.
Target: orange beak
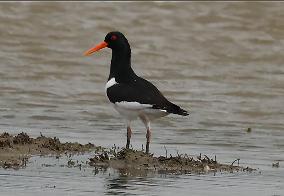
pixel 96 48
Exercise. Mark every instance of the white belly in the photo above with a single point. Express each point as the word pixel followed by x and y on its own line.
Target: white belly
pixel 133 110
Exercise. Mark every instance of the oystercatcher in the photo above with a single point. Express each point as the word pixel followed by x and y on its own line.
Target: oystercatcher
pixel 132 96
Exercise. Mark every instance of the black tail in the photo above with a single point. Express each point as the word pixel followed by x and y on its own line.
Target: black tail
pixel 182 112
pixel 174 109
pixel 171 108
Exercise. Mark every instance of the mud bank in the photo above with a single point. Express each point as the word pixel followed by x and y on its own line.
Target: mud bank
pixel 15 150
pixel 132 161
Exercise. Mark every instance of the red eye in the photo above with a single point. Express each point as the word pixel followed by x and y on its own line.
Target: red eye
pixel 113 37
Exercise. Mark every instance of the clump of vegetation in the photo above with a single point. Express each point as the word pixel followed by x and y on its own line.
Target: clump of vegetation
pixel 138 160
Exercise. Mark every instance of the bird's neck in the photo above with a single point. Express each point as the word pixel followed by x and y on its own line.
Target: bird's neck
pixel 120 67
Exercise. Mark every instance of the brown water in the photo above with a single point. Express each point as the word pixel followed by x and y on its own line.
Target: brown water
pixel 221 61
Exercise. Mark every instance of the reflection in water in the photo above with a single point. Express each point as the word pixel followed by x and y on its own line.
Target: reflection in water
pixel 117 186
pixel 124 181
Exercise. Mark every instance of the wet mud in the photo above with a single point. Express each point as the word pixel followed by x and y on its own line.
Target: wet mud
pixel 133 161
pixel 15 150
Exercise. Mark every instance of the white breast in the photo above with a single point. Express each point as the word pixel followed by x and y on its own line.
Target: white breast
pixel 110 83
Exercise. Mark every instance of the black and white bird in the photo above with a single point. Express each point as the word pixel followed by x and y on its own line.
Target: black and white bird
pixel 132 96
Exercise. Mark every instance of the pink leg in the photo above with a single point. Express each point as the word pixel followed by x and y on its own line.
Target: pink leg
pixel 148 136
pixel 146 122
pixel 128 136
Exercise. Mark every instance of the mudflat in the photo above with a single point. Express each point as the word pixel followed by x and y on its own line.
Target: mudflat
pixel 16 150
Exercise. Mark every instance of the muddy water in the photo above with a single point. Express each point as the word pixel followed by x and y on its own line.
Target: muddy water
pixel 221 61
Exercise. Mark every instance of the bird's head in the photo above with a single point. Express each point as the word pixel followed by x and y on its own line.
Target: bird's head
pixel 114 40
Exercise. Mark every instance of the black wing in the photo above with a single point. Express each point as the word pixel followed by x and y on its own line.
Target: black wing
pixel 144 92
